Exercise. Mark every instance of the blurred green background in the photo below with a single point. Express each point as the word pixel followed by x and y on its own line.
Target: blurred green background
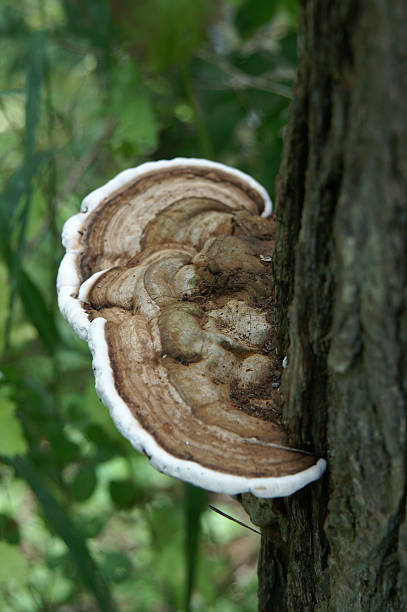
pixel 88 88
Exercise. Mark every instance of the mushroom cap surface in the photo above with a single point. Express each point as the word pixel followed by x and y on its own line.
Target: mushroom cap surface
pixel 167 276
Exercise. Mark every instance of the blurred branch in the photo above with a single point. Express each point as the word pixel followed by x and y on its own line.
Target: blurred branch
pixel 72 181
pixel 237 80
pixel 87 160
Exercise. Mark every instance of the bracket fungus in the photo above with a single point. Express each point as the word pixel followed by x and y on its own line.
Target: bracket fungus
pixel 168 277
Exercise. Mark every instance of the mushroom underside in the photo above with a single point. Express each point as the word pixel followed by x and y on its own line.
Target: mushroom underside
pixel 179 266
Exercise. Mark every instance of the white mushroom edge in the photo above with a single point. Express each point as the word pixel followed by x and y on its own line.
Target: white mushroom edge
pixel 69 291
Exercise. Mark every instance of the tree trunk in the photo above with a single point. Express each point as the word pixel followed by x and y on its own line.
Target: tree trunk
pixel 341 274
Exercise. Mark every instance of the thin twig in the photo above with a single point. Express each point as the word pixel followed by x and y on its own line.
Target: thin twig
pixel 233 519
pixel 238 80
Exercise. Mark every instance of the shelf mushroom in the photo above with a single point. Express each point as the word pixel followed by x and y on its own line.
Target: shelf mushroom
pixel 167 276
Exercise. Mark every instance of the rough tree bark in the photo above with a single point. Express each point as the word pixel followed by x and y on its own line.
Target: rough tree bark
pixel 341 270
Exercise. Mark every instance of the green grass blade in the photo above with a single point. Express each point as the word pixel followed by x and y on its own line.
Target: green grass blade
pixel 14 190
pixel 36 65
pixel 38 312
pixel 34 77
pixel 56 516
pixel 194 502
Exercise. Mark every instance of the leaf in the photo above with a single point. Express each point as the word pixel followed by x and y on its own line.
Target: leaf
pixel 84 483
pixel 12 22
pixel 253 14
pixel 116 565
pixel 9 529
pixel 94 408
pixel 13 565
pixel 125 494
pixel 167 31
pixel 35 71
pixel 55 514
pixel 194 501
pixel 92 20
pixel 137 129
pixel 38 312
pixel 12 439
pixel 14 189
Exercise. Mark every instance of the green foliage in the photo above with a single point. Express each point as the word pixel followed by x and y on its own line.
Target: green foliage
pixel 125 494
pixel 88 89
pixel 38 313
pixel 59 520
pixel 136 130
pixel 9 529
pixel 253 14
pixel 13 565
pixel 165 32
pixel 194 504
pixel 12 439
